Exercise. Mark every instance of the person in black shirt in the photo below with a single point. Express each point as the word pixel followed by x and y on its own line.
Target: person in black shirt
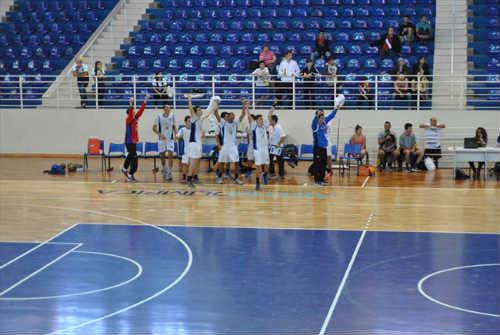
pixel 481 140
pixel 421 67
pixel 407 30
pixel 322 45
pixel 309 73
pixel 401 68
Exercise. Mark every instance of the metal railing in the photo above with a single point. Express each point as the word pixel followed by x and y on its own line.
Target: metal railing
pixel 415 93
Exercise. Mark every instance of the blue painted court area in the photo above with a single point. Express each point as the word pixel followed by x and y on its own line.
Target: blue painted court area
pixel 137 279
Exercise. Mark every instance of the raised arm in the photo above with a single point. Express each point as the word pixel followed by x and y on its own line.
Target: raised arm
pixel 190 105
pixel 424 125
pixel 270 113
pixel 331 116
pixel 141 109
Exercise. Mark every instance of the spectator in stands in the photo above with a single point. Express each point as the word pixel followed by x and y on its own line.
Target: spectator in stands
pixel 401 67
pixel 322 46
pixel 401 89
pixel 419 88
pixel 481 140
pixel 160 90
pixel 407 30
pixel 81 72
pixel 276 142
pixel 389 44
pixel 268 56
pixel 388 152
pixel 433 139
pixel 309 73
pixel 421 67
pixel 287 71
pixel 409 149
pixel 262 77
pixel 423 30
pixel 100 79
pixel 364 98
pixel 359 138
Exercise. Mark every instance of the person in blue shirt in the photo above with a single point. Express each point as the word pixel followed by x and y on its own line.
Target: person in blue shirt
pixel 423 30
pixel 320 144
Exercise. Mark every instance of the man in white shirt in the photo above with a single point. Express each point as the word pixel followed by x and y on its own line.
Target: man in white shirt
pixel 164 127
pixel 259 144
pixel 433 139
pixel 276 142
pixel 81 73
pixel 287 71
pixel 227 144
pixel 262 77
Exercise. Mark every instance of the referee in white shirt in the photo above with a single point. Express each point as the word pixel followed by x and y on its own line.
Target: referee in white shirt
pixel 81 73
pixel 287 71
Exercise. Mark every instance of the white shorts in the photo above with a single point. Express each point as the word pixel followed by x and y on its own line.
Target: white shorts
pixel 185 155
pixel 194 150
pixel 166 145
pixel 229 154
pixel 261 156
pixel 250 155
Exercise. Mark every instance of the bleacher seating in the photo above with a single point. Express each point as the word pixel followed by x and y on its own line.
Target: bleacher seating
pixel 189 37
pixel 39 37
pixel 484 20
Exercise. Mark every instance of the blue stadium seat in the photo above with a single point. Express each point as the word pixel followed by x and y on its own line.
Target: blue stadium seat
pixel 387 64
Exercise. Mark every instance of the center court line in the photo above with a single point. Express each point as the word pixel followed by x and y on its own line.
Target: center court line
pixel 36 247
pixel 344 278
pixel 40 269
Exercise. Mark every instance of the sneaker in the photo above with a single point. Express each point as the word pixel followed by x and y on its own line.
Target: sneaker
pixel 218 180
pixel 196 180
pixel 237 181
pixel 125 173
pixel 132 179
pixel 273 177
pixel 415 170
pixel 190 184
pixel 322 184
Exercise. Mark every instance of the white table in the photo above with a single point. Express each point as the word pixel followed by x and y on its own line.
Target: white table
pixel 486 155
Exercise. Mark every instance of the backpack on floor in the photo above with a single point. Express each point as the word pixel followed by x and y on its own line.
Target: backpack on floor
pixel 461 175
pixel 56 169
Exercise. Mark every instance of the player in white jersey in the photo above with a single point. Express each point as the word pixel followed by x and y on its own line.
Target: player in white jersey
pixel 165 128
pixel 227 144
pixel 250 157
pixel 183 135
pixel 196 136
pixel 260 146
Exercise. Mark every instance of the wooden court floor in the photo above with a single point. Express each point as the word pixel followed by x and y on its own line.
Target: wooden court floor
pixel 35 206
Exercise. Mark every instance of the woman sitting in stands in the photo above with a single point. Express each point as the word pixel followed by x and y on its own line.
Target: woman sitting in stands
pixel 359 138
pixel 481 140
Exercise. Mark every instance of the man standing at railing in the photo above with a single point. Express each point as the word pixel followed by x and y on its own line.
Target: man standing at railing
pixel 287 71
pixel 81 72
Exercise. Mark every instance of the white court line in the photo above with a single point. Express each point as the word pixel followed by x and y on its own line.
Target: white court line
pixel 422 292
pixel 36 242
pixel 365 182
pixel 128 281
pixel 40 270
pixel 292 228
pixel 34 248
pixel 344 279
pixel 189 263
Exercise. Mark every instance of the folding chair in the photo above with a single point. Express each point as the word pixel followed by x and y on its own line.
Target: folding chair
pixel 306 152
pixel 115 150
pixel 100 154
pixel 151 151
pixel 351 152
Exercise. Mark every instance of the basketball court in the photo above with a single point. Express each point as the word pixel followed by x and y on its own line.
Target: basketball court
pixel 396 253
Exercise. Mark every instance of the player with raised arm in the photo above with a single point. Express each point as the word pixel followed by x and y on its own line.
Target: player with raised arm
pixel 184 135
pixel 196 136
pixel 227 144
pixel 131 138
